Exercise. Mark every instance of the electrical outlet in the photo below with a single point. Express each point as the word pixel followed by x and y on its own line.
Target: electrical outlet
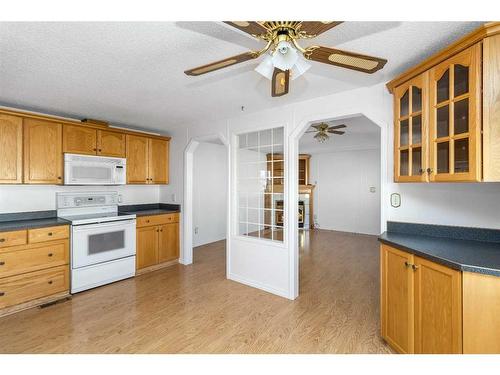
pixel 120 198
pixel 173 197
pixel 372 189
pixel 196 230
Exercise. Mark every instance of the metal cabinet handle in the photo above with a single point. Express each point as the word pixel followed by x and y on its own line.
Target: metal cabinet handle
pixel 2 239
pixel 59 178
pixel 100 149
pixel 415 267
pixel 50 233
pixel 50 254
pixel 407 264
pixel 429 170
pixel 2 263
pixel 2 294
pixel 50 281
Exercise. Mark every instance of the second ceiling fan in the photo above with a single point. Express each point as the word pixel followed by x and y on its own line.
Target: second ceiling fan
pixel 287 58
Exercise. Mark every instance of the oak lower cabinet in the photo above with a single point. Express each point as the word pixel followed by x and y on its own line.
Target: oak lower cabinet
pixel 157 241
pixel 34 267
pixel 421 305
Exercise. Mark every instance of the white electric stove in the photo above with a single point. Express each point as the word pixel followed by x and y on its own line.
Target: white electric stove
pixel 103 246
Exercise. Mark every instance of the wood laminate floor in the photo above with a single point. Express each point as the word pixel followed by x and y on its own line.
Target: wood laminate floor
pixel 194 309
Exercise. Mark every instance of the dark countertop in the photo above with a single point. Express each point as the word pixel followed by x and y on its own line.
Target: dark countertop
pixel 157 211
pixel 149 209
pixel 480 256
pixel 7 226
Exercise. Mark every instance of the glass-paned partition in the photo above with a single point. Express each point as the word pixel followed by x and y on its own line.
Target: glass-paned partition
pixel 260 179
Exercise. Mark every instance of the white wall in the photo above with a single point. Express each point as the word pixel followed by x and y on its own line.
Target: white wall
pixel 209 193
pixel 342 197
pixel 19 198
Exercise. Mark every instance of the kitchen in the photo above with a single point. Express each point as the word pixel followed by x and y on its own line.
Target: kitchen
pixel 87 239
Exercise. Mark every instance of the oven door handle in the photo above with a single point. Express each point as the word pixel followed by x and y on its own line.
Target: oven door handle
pixel 107 224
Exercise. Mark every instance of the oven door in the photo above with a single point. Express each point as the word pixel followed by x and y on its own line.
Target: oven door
pixel 98 243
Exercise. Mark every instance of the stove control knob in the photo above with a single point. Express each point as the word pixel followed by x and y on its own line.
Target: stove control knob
pixel 78 201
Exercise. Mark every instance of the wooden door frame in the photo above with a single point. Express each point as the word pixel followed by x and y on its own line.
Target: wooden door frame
pixel 293 173
pixel 186 251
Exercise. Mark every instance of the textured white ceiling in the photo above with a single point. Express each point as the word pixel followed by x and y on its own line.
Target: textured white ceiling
pixel 132 73
pixel 360 134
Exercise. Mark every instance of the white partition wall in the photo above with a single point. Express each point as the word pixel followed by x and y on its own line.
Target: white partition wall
pixel 259 254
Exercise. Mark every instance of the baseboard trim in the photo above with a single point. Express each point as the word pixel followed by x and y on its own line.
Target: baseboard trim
pixel 258 285
pixel 34 303
pixel 156 267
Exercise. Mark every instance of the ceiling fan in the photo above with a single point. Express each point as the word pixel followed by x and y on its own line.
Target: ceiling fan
pixel 322 130
pixel 286 58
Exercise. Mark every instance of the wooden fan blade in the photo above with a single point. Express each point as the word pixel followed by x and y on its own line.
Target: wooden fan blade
pixel 345 59
pixel 337 127
pixel 222 63
pixel 313 28
pixel 253 28
pixel 335 132
pixel 280 82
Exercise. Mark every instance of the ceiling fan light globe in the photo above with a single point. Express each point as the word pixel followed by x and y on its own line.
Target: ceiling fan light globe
pixel 285 56
pixel 266 67
pixel 300 67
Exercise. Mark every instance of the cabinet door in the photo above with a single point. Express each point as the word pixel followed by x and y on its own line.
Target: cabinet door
pixel 455 118
pixel 79 140
pixel 158 161
pixel 438 308
pixel 42 152
pixel 137 159
pixel 147 247
pixel 110 143
pixel 11 144
pixel 397 310
pixel 168 246
pixel 410 130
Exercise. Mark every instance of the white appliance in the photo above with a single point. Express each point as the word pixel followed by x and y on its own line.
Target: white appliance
pixel 103 244
pixel 94 170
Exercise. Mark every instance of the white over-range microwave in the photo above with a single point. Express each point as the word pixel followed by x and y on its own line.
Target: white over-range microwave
pixel 94 170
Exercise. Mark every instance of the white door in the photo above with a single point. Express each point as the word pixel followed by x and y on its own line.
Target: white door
pixel 258 254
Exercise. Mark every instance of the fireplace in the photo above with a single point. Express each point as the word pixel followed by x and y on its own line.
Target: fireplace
pixel 279 213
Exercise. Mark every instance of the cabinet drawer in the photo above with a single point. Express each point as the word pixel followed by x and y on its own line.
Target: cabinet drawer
pixel 17 237
pixel 33 259
pixel 23 288
pixel 48 234
pixel 145 221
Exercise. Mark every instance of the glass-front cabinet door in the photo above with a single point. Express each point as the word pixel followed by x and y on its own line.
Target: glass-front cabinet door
pixel 410 136
pixel 455 118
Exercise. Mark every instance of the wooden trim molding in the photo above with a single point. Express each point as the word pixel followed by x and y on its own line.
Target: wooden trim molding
pixel 486 30
pixel 63 120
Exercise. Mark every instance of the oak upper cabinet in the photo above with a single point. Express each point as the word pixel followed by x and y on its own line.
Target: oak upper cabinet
pixel 79 140
pixel 438 308
pixel 168 246
pixel 158 161
pixel 110 143
pixel 11 144
pixel 137 159
pixel 455 118
pixel 42 152
pixel 421 304
pixel 410 130
pixel 397 316
pixel 90 141
pixel 147 247
pixel 147 160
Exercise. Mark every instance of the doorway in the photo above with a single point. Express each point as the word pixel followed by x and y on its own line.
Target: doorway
pixel 205 194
